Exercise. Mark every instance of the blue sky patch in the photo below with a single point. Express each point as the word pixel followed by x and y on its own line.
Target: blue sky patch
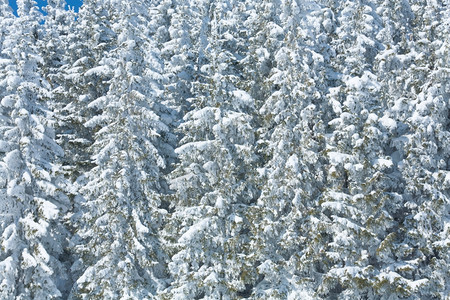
pixel 42 3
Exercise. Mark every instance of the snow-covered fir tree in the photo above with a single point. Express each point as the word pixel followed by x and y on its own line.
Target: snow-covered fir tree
pixel 289 138
pixel 211 180
pixel 33 240
pixel 120 218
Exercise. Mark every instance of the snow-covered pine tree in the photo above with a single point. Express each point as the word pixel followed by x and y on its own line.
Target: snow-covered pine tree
pixel 82 78
pixel 178 52
pixel 365 196
pixel 54 42
pixel 391 64
pixel 208 229
pixel 53 46
pixel 440 86
pixel 261 28
pixel 121 219
pixel 74 52
pixel 33 238
pixel 174 28
pixel 413 89
pixel 8 211
pixel 358 197
pixel 289 139
pixel 425 150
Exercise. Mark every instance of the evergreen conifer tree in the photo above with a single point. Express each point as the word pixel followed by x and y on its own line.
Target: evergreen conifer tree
pixel 119 227
pixel 209 249
pixel 33 204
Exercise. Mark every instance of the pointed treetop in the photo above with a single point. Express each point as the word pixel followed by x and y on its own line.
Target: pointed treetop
pixel 25 7
pixel 5 9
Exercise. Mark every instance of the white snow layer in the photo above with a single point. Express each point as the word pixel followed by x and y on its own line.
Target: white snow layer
pixel 193 230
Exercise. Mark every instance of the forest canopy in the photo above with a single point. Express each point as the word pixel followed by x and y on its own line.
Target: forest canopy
pixel 225 149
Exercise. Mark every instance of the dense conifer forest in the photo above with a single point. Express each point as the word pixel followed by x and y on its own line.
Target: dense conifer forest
pixel 225 149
